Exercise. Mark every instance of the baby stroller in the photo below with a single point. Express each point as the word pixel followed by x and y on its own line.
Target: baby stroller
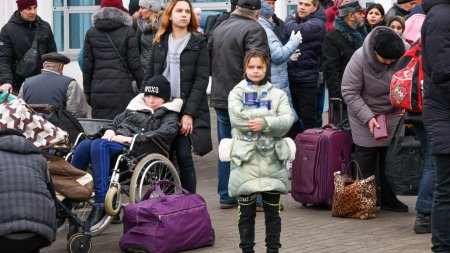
pixel 73 188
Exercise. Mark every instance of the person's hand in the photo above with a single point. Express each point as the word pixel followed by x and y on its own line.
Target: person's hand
pixel 256 125
pixel 186 125
pixel 372 123
pixel 122 139
pixel 295 55
pixel 108 135
pixel 297 35
pixel 7 87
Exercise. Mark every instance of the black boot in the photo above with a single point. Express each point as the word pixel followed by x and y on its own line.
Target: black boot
pixel 97 214
pixel 423 223
pixel 394 205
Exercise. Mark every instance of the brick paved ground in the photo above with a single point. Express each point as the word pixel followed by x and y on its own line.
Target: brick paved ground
pixel 304 229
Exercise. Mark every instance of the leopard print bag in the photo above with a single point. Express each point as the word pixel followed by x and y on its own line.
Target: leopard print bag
pixel 353 198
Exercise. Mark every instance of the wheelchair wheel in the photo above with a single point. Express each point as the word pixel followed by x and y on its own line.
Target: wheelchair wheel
pixel 82 211
pixel 113 201
pixel 79 243
pixel 152 168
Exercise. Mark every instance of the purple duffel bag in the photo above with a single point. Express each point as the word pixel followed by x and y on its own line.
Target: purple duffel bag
pixel 163 223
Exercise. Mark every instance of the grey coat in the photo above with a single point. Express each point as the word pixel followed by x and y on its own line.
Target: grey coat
pixel 229 43
pixel 26 203
pixel 365 89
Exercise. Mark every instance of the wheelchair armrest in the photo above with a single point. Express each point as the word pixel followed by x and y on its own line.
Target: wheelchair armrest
pixel 155 141
pixel 133 141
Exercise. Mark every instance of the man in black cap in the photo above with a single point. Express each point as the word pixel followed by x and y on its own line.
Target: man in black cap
pixel 338 47
pixel 52 87
pixel 228 44
pixel 402 9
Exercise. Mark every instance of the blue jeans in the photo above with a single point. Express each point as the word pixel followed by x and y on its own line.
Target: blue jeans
pixel 223 168
pixel 440 213
pixel 182 148
pixel 427 182
pixel 98 152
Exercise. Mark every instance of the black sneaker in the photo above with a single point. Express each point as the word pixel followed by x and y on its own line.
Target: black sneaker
pixel 394 206
pixel 422 224
pixel 96 215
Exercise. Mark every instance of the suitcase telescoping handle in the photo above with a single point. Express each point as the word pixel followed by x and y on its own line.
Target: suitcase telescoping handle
pixel 156 187
pixel 330 110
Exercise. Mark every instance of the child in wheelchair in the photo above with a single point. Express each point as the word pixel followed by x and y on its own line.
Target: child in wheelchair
pixel 150 115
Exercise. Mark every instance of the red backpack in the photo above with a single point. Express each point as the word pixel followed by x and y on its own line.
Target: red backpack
pixel 407 81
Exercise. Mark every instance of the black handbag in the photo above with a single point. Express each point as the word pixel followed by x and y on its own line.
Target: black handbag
pixel 26 66
pixel 404 163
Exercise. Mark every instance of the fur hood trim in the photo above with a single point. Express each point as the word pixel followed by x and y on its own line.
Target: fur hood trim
pixel 138 104
pixel 111 13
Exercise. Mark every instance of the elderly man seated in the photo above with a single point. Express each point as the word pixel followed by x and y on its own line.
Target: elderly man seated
pixel 52 87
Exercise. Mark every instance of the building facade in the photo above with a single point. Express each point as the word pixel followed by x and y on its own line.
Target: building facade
pixel 70 19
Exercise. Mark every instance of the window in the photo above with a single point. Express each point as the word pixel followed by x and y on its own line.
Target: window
pixel 71 20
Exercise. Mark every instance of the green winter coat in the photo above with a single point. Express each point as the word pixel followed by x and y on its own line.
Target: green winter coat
pixel 258 166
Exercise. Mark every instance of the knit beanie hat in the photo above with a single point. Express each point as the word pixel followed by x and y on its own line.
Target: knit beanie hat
pixel 154 5
pixel 250 4
pixel 266 10
pixel 404 1
pixel 348 7
pixel 113 3
pixel 23 4
pixel 133 6
pixel 389 45
pixel 157 86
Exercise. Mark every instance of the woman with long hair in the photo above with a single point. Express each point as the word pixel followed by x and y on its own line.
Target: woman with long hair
pixel 180 53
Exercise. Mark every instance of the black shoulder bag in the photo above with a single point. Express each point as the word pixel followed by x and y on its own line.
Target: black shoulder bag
pixel 27 65
pixel 404 163
pixel 133 82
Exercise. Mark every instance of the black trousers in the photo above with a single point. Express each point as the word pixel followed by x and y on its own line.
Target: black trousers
pixel 181 149
pixel 304 100
pixel 370 159
pixel 247 214
pixel 22 243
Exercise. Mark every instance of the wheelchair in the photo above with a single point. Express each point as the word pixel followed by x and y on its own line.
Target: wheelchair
pixel 133 171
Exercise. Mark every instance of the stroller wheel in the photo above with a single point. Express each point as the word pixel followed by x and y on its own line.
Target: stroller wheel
pixel 79 243
pixel 73 229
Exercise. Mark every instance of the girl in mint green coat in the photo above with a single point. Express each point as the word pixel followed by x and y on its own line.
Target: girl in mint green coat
pixel 258 152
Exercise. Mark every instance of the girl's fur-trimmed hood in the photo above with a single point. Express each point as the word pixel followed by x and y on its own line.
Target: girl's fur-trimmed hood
pixel 108 14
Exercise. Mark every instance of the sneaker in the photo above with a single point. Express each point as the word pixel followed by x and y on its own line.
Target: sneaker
pixel 259 207
pixel 228 205
pixel 117 219
pixel 422 225
pixel 395 206
pixel 97 214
